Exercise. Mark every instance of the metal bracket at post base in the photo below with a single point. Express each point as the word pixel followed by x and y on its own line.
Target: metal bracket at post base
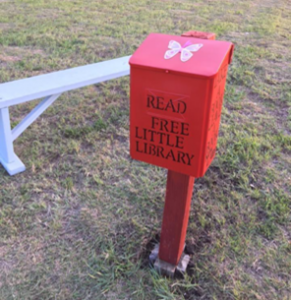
pixel 166 268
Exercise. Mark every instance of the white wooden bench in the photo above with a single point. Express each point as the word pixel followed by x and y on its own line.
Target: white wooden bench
pixel 50 86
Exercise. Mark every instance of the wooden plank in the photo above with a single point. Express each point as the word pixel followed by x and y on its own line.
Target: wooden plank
pixel 23 90
pixel 176 215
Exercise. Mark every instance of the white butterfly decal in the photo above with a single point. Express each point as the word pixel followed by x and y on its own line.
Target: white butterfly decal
pixel 176 47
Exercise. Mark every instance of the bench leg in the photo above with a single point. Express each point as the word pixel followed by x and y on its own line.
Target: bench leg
pixel 8 158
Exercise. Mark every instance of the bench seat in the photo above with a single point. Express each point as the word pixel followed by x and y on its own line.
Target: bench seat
pixel 50 87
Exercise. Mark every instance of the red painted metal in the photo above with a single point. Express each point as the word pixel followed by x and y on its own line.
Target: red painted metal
pixel 175 106
pixel 176 216
pixel 174 121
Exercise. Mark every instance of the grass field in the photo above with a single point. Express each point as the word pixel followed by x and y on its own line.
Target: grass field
pixel 79 223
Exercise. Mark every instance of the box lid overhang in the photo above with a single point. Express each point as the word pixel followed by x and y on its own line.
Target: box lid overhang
pixel 205 62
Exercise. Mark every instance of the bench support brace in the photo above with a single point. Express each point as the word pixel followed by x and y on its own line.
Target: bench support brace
pixel 33 115
pixel 8 158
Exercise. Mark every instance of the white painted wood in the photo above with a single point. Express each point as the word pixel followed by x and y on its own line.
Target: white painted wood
pixel 51 86
pixel 14 167
pixel 23 90
pixel 33 115
pixel 6 141
pixel 8 158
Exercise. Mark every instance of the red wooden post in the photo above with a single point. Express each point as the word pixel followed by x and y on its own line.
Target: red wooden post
pixel 174 120
pixel 176 215
pixel 178 201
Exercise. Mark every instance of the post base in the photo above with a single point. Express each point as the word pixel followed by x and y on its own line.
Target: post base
pixel 168 269
pixel 13 167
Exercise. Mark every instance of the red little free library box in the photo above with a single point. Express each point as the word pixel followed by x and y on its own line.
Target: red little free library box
pixel 176 94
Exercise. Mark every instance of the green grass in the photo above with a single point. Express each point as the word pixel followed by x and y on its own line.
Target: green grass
pixel 78 224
